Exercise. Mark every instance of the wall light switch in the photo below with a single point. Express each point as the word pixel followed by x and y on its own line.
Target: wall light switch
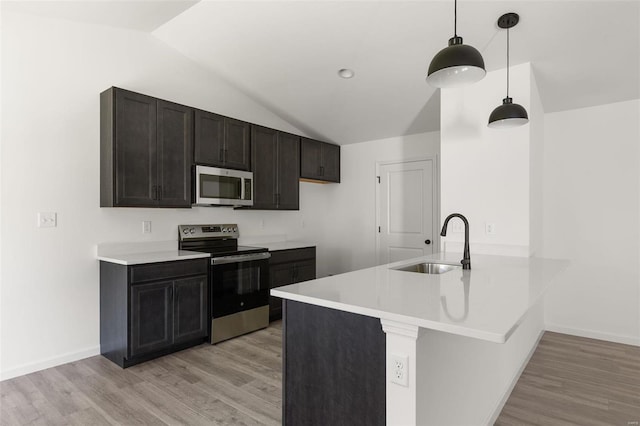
pixel 490 228
pixel 146 226
pixel 47 220
pixel 457 226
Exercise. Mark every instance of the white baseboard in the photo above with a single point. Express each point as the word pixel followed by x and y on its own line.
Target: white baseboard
pixel 500 406
pixel 590 334
pixel 48 363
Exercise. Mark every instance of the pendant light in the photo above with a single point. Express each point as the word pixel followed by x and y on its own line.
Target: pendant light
pixel 457 64
pixel 508 114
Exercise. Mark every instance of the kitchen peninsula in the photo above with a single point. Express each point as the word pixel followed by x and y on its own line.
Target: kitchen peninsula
pixel 387 346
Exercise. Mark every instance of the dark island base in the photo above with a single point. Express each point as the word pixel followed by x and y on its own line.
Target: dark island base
pixel 333 367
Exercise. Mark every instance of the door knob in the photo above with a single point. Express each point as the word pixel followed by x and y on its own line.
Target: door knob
pixel 427 241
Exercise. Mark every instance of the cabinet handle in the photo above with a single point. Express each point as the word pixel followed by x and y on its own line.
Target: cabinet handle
pixel 321 170
pixel 226 151
pixel 171 292
pixel 154 190
pixel 221 155
pixel 277 199
pixel 159 192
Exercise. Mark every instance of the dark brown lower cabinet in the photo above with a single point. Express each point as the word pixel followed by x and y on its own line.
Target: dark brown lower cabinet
pixel 153 309
pixel 333 367
pixel 289 267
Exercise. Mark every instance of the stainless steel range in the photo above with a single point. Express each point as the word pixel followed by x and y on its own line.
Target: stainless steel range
pixel 238 279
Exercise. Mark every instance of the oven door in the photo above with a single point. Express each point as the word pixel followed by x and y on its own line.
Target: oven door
pixel 223 187
pixel 239 283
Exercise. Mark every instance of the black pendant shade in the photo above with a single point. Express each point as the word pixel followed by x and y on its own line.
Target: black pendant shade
pixel 457 64
pixel 508 114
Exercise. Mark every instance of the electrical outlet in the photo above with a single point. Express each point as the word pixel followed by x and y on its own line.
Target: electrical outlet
pixel 400 369
pixel 47 220
pixel 146 226
pixel 490 228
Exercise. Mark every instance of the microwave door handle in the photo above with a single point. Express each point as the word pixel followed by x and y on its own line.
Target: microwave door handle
pixel 242 189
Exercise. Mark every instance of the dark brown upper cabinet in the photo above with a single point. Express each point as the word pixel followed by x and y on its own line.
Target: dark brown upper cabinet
pixel 221 141
pixel 319 161
pixel 276 169
pixel 145 151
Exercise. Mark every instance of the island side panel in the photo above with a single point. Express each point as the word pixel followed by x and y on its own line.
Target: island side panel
pixel 333 367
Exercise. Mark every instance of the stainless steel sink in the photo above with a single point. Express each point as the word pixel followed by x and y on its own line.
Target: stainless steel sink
pixel 428 268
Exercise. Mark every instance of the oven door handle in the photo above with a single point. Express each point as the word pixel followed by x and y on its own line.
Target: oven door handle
pixel 240 258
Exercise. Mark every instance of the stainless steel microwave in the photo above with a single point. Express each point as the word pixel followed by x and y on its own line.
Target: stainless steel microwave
pixel 222 187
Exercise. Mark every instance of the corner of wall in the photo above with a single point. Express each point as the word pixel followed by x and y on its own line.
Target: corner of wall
pixel 536 168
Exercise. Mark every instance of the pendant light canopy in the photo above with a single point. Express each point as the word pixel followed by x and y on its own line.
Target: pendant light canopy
pixel 457 64
pixel 508 114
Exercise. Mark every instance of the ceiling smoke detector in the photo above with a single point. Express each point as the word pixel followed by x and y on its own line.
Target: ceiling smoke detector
pixel 346 73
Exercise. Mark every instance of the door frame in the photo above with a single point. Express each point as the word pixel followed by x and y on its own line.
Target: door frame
pixel 436 198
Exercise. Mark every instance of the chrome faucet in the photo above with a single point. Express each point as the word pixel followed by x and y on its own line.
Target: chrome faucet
pixel 466 259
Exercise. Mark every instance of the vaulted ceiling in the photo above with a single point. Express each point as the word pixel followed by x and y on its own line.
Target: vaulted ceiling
pixel 286 54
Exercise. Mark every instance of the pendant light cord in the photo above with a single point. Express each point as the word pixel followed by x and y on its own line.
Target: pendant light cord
pixel 455 18
pixel 507 62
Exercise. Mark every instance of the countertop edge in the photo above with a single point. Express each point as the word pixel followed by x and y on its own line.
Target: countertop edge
pixel 152 257
pixel 431 325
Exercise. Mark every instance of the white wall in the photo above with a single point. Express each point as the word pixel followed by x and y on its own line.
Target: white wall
pixel 52 74
pixel 592 217
pixel 349 239
pixel 536 168
pixel 485 172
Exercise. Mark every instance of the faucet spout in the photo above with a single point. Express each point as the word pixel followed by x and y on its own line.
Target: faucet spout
pixel 466 259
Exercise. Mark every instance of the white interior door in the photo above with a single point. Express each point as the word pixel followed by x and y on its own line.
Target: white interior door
pixel 407 210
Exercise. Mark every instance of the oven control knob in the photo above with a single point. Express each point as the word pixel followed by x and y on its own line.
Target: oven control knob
pixel 185 231
pixel 192 230
pixel 235 229
pixel 224 229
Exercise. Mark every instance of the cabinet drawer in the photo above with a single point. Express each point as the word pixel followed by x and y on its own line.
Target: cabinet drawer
pixel 168 270
pixel 293 255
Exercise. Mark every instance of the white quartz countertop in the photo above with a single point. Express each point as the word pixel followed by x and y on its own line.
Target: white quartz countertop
pixel 487 302
pixel 284 245
pixel 167 251
pixel 151 257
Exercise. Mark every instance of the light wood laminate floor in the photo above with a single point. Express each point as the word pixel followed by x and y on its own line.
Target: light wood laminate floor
pixel 569 381
pixel 576 381
pixel 237 382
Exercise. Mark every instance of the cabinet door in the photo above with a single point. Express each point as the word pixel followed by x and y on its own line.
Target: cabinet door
pixel 209 139
pixel 237 146
pixel 330 167
pixel 310 157
pixel 288 191
pixel 190 309
pixel 304 271
pixel 151 317
pixel 264 142
pixel 175 134
pixel 135 146
pixel 279 275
